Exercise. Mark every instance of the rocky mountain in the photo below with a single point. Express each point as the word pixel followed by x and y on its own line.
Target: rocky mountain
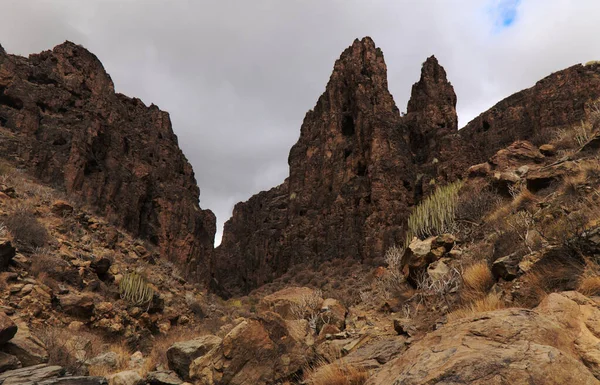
pixel 61 119
pixel 359 166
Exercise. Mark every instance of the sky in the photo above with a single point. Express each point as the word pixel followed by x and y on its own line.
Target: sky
pixel 238 76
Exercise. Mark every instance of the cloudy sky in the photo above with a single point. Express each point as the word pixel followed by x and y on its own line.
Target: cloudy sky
pixel 238 76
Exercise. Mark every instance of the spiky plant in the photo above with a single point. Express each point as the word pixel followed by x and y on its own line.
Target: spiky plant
pixel 135 288
pixel 435 214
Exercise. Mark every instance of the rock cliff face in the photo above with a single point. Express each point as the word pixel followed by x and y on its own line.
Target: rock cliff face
pixel 61 119
pixel 349 188
pixel 358 166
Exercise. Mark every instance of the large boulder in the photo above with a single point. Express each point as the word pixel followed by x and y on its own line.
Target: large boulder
pixel 260 351
pixel 26 347
pixel 78 305
pixel 8 329
pixel 285 302
pixel 181 354
pixel 554 344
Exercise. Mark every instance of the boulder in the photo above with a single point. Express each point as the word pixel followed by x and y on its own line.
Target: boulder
pixel 181 354
pixel 507 267
pixel 164 377
pixel 7 253
pixel 8 362
pixel 283 301
pixel 554 344
pixel 26 347
pixel 8 329
pixel 332 312
pixel 61 208
pixel 31 375
pixel 128 377
pixel 77 304
pixel 258 351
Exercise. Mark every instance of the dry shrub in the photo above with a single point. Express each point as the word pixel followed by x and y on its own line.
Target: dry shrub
pixel 490 302
pixel 70 349
pixel 524 200
pixel 477 279
pixel 589 285
pixel 559 270
pixel 26 229
pixel 474 204
pixel 337 373
pixel 123 355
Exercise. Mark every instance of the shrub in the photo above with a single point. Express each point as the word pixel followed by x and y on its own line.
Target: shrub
pixel 26 229
pixel 474 204
pixel 490 302
pixel 589 285
pixel 135 288
pixel 477 278
pixel 70 349
pixel 337 373
pixel 435 214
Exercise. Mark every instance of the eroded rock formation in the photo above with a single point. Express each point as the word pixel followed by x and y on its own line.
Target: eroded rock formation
pixel 358 166
pixel 61 119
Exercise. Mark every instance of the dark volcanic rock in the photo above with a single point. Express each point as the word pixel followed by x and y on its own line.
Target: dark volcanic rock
pixel 358 166
pixel 61 118
pixel 349 186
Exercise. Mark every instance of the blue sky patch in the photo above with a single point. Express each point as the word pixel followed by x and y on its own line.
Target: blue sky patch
pixel 504 12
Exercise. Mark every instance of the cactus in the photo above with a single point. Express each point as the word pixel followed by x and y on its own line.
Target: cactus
pixel 135 288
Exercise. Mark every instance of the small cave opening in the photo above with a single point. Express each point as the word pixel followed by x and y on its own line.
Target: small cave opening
pixel 485 126
pixel 535 185
pixel 3 121
pixel 59 141
pixel 347 152
pixel 347 125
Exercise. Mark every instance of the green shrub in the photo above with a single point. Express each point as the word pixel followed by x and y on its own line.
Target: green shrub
pixel 135 288
pixel 434 215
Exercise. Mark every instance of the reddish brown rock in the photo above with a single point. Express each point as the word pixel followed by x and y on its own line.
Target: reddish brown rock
pixel 349 187
pixel 70 128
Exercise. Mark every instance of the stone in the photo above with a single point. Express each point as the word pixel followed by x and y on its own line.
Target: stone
pixel 164 377
pixel 70 128
pixel 108 360
pixel 61 208
pixel 31 374
pixel 78 305
pixel 128 377
pixel 8 362
pixel 258 351
pixel 181 354
pixel 405 327
pixel 26 347
pixel 332 312
pixel 548 149
pixel 437 270
pixel 8 329
pixel 479 170
pixel 7 253
pixel 101 266
pixel 284 301
pixel 507 267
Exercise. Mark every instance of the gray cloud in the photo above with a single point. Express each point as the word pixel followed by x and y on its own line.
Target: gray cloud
pixel 237 76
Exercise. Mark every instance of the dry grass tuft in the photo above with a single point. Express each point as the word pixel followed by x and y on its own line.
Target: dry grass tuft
pixel 337 373
pixel 477 278
pixel 589 285
pixel 490 302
